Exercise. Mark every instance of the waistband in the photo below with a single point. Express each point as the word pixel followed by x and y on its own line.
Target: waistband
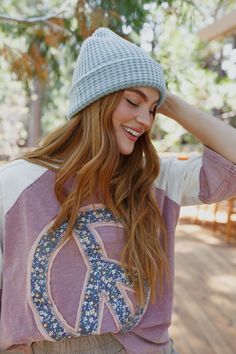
pixel 94 344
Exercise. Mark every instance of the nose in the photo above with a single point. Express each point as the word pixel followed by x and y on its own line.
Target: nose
pixel 145 119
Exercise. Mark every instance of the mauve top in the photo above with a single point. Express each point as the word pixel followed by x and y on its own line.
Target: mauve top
pixel 54 290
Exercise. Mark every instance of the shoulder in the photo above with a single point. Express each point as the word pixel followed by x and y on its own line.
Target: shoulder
pixel 170 169
pixel 175 175
pixel 20 172
pixel 15 177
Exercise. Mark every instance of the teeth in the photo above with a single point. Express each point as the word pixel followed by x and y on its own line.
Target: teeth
pixel 131 131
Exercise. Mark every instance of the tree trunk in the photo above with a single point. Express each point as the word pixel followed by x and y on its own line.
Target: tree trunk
pixel 35 113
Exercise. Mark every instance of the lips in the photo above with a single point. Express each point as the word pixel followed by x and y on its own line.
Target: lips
pixel 131 133
pixel 134 132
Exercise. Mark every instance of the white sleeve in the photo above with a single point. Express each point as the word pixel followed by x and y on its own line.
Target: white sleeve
pixel 180 180
pixel 206 178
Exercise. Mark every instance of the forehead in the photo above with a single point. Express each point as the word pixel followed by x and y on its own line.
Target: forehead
pixel 147 93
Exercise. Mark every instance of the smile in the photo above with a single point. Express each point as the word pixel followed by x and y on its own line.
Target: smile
pixel 131 131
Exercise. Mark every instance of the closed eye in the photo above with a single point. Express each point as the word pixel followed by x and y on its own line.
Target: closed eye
pixel 153 113
pixel 132 103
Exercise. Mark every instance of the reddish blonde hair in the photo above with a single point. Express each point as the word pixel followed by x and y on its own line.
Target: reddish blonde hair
pixel 85 149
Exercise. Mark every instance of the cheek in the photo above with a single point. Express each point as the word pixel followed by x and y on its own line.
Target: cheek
pixel 115 119
pixel 121 114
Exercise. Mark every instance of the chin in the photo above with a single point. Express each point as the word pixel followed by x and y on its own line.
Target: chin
pixel 126 152
pixel 126 149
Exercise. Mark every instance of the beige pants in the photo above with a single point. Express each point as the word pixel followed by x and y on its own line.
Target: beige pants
pixel 102 344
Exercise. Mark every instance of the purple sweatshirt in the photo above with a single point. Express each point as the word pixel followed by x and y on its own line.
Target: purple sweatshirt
pixel 54 290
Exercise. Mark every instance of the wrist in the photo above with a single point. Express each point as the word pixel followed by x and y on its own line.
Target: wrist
pixel 170 105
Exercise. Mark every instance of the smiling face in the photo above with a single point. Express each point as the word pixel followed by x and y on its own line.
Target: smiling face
pixel 133 116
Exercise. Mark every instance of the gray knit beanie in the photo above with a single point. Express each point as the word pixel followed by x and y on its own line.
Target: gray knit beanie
pixel 108 63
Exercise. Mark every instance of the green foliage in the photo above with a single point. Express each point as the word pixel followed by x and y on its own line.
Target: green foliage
pixel 48 47
pixel 42 39
pixel 193 71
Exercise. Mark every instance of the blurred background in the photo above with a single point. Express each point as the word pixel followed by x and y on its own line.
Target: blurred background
pixel 195 41
pixel 40 41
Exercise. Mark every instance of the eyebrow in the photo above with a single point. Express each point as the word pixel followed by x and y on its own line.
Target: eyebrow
pixel 142 94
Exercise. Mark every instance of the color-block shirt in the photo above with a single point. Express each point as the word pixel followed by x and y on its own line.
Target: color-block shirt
pixel 54 289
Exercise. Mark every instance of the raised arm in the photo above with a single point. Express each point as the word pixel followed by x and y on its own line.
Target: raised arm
pixel 210 131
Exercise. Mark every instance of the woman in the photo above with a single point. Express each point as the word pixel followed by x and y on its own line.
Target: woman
pixel 88 218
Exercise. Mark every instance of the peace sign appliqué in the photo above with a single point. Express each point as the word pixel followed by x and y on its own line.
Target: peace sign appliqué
pixel 105 281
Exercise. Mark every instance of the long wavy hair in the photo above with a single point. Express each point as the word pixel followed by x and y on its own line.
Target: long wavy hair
pixel 85 150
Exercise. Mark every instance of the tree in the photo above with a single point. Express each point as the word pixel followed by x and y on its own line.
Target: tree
pixel 43 36
pixel 193 69
pixel 41 49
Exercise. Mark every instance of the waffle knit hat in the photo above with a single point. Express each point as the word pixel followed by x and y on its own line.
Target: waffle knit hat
pixel 108 63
